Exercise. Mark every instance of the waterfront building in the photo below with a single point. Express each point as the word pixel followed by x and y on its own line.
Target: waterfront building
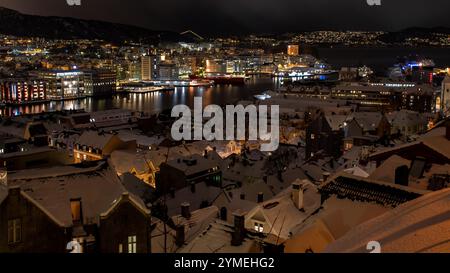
pixel 100 83
pixel 417 98
pixel 22 90
pixel 62 85
pixel 150 68
pixel 445 95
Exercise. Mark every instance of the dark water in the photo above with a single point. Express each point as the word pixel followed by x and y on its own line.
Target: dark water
pixel 380 59
pixel 377 58
pixel 157 101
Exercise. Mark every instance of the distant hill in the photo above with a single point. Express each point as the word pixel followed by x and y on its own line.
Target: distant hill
pixel 415 32
pixel 15 23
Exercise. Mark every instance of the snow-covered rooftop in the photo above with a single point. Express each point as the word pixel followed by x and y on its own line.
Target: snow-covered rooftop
pixel 422 225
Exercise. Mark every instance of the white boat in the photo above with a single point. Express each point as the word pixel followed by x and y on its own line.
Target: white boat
pixel 263 96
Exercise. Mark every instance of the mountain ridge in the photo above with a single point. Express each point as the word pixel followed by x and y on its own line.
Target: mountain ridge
pixel 15 23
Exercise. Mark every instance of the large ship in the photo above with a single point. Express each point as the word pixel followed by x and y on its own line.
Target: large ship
pixel 222 79
pixel 141 87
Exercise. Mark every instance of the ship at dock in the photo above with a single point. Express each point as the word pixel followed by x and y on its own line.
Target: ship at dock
pixel 222 79
pixel 143 87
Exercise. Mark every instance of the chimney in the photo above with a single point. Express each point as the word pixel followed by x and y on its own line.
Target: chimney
pixel 260 197
pixel 297 194
pixel 447 129
pixel 186 210
pixel 193 187
pixel 180 236
pixel 238 235
pixel 172 192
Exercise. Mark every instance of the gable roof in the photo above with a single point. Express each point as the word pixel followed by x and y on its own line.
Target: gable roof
pixel 368 121
pixel 386 171
pixel 217 239
pixel 437 144
pixel 281 214
pixel 95 139
pixel 419 226
pixel 52 189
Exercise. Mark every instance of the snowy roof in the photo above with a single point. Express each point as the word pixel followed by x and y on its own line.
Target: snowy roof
pixel 95 139
pixel 313 171
pixel 357 171
pixel 51 190
pixel 439 144
pixel 368 120
pixel 347 186
pixel 124 161
pixel 217 239
pixel 386 171
pixel 289 176
pixel 282 214
pixel 406 117
pixel 251 192
pixel 192 164
pixel 128 135
pixel 422 225
pixel 336 122
pixel 137 187
pixel 202 193
pixel 197 223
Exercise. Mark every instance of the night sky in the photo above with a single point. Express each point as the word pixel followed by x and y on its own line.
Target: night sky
pixel 249 16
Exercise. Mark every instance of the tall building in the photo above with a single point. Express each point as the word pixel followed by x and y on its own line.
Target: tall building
pixel 293 50
pixel 100 83
pixel 62 84
pixel 149 68
pixel 168 71
pixel 215 66
pixel 445 96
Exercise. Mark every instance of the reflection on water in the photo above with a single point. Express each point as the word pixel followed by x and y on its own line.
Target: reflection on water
pixel 157 101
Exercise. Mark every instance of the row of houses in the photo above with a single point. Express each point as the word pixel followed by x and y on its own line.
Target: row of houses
pixel 336 134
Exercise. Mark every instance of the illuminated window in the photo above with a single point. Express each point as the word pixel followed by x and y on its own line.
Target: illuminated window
pixel 132 243
pixel 259 227
pixel 75 207
pixel 348 146
pixel 14 231
pixel 120 248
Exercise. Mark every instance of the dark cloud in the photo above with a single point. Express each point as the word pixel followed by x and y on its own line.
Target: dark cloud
pixel 240 16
